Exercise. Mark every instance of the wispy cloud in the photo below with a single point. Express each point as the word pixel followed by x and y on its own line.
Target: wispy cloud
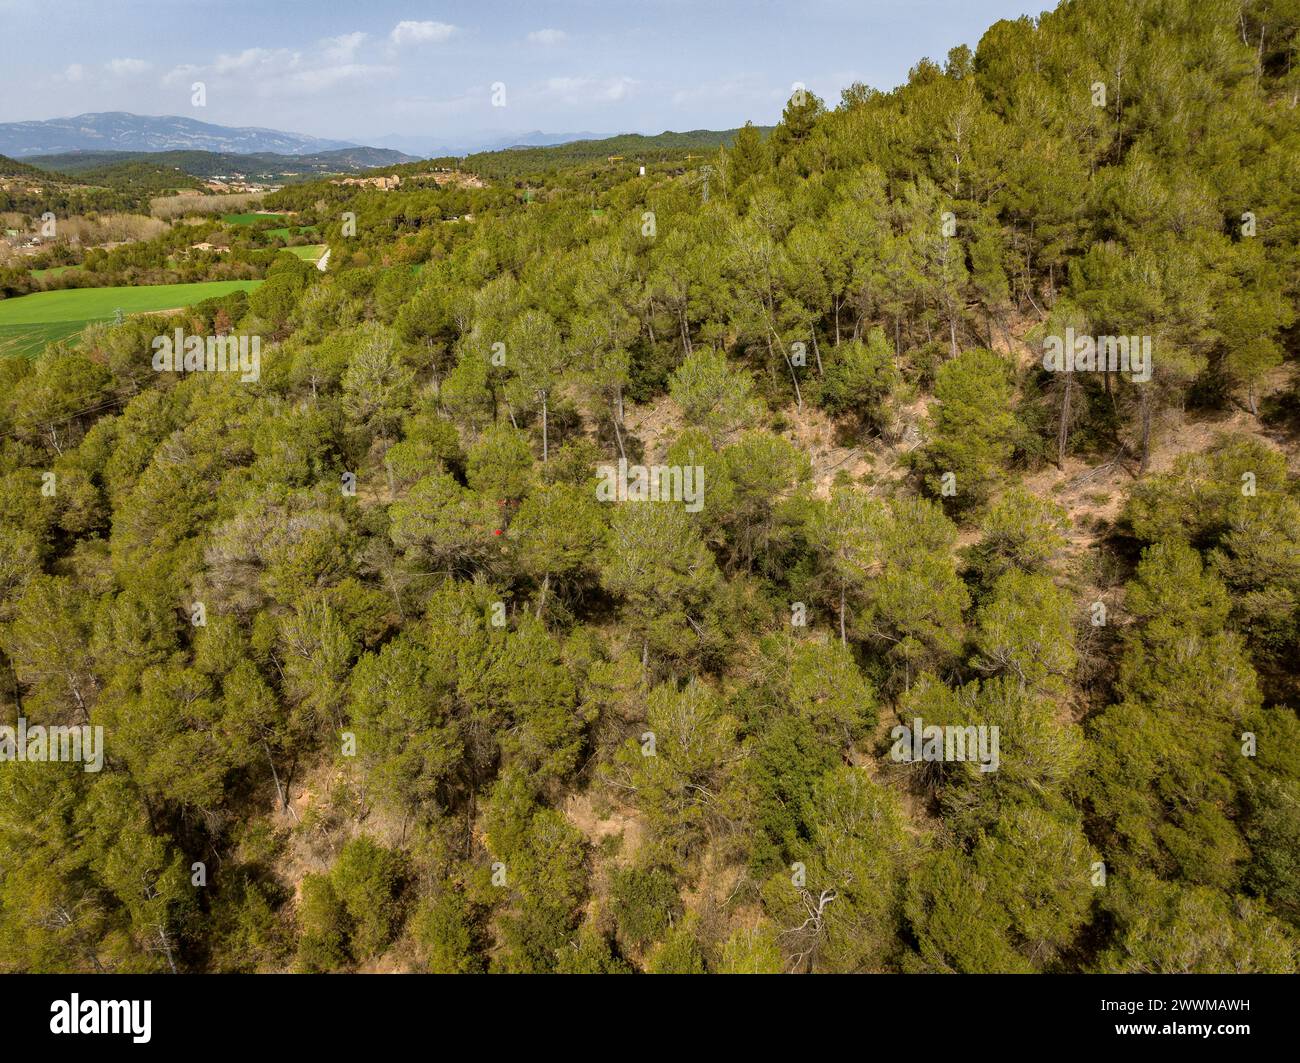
pixel 268 72
pixel 408 32
pixel 343 49
pixel 745 87
pixel 547 37
pixel 574 90
pixel 254 58
pixel 126 67
pixel 318 79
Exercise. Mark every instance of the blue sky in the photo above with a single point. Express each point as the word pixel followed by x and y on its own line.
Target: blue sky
pixel 361 70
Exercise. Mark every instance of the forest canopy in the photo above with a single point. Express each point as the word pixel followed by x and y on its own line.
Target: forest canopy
pixel 385 682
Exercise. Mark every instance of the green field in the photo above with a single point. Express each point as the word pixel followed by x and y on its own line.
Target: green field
pixel 248 218
pixel 31 321
pixel 308 252
pixel 285 232
pixel 53 271
pixel 30 340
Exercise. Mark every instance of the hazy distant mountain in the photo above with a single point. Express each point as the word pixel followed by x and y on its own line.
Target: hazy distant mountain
pixel 421 147
pixel 538 139
pixel 258 166
pixel 635 148
pixel 120 131
pixel 431 147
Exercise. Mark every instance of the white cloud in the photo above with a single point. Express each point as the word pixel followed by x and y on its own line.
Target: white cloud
pixel 561 86
pixel 251 58
pixel 548 37
pixel 320 78
pixel 585 90
pixel 745 87
pixel 182 73
pixel 75 72
pixel 271 72
pixel 343 48
pixel 126 67
pixel 616 88
pixel 408 32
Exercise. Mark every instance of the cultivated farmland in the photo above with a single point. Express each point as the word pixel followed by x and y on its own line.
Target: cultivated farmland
pixel 307 252
pixel 31 321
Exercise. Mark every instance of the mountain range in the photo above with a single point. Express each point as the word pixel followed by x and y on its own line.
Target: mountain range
pixel 431 147
pixel 257 166
pixel 89 143
pixel 121 131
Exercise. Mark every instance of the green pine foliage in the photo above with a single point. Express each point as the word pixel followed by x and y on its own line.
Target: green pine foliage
pixel 388 679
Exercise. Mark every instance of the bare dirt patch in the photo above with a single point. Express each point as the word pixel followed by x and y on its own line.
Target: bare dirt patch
pixel 580 810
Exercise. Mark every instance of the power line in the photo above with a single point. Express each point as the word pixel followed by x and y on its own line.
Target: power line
pixel 64 420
